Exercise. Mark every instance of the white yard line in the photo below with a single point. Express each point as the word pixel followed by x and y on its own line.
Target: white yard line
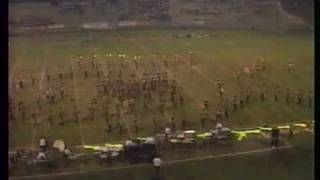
pixel 185 89
pixel 11 94
pixel 196 69
pixel 42 74
pixel 33 137
pixel 41 85
pixel 76 100
pixel 164 163
pixel 12 68
pixel 122 119
pixel 11 76
pixel 140 76
pixel 249 112
pixel 121 115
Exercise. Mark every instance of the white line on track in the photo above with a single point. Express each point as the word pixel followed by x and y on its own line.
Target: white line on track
pixel 164 163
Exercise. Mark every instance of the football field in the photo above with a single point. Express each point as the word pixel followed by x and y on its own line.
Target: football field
pixel 223 55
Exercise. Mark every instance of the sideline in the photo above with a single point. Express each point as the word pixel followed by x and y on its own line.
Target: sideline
pixel 146 165
pixel 310 130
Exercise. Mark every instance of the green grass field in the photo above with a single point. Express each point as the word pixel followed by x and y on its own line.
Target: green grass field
pixel 216 57
pixel 228 168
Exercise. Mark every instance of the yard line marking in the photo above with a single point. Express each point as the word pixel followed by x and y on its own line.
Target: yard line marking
pixel 121 119
pixel 124 121
pixel 164 163
pixel 140 76
pixel 12 69
pixel 11 80
pixel 42 73
pixel 76 100
pixel 11 74
pixel 205 77
pixel 248 111
pixel 41 85
pixel 33 137
pixel 180 83
pixel 134 69
pixel 121 113
pixel 201 74
pixel 184 88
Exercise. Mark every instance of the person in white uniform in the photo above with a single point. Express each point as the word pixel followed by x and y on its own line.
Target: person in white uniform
pixel 157 163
